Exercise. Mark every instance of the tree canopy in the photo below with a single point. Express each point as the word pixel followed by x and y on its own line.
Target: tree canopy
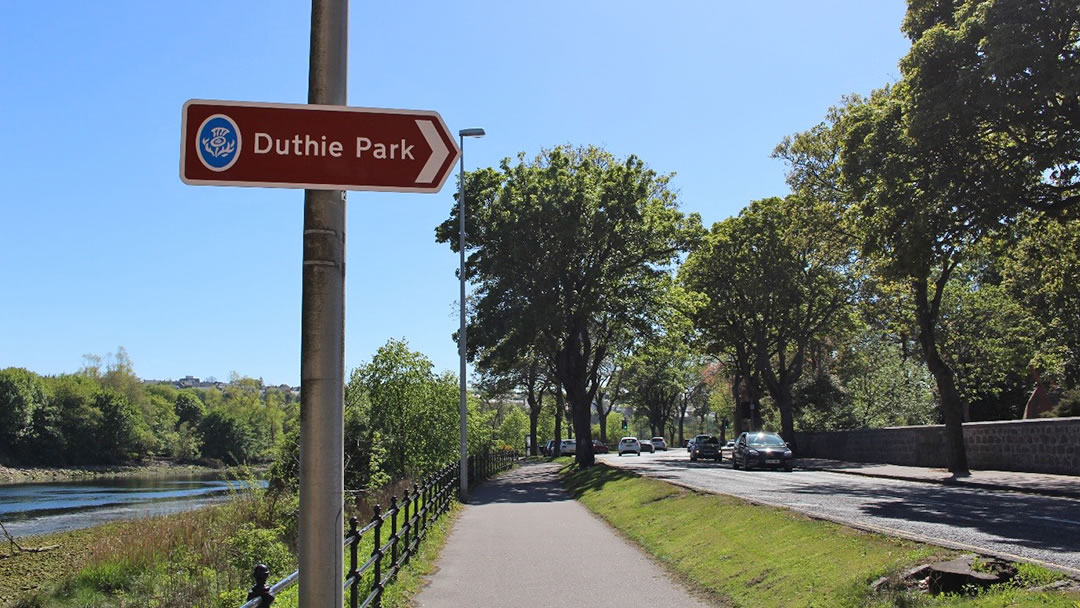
pixel 565 251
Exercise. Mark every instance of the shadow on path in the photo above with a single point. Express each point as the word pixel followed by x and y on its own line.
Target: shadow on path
pixel 531 482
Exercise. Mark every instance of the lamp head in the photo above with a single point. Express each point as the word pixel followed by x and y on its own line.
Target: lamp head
pixel 471 132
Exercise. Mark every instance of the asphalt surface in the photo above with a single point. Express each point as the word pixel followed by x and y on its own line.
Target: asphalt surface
pixel 1037 528
pixel 499 551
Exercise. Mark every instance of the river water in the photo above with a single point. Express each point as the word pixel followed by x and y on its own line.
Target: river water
pixel 44 508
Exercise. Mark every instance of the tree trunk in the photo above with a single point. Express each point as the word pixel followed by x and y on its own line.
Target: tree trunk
pixel 572 370
pixel 557 449
pixel 582 415
pixel 682 414
pixel 532 381
pixel 737 414
pixel 787 416
pixel 601 415
pixel 952 405
pixel 534 420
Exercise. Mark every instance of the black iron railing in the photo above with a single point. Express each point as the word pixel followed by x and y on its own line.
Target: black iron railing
pixel 419 508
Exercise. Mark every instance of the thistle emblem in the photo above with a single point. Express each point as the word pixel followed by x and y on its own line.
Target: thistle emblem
pixel 219 144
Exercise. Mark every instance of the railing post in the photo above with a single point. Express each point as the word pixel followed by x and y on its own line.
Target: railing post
pixel 444 496
pixel 422 510
pixel 406 525
pixel 259 589
pixel 393 531
pixel 376 552
pixel 429 507
pixel 353 548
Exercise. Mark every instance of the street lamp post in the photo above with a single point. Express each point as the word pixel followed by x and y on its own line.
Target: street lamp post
pixel 462 134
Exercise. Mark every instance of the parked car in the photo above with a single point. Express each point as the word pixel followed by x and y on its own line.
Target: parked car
pixel 659 443
pixel 568 447
pixel 727 449
pixel 599 447
pixel 549 448
pixel 628 445
pixel 704 446
pixel 647 446
pixel 695 438
pixel 761 450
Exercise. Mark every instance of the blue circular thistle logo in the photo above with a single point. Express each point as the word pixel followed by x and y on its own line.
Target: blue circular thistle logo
pixel 219 142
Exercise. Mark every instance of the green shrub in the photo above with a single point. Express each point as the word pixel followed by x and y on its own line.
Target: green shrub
pixel 110 576
pixel 250 546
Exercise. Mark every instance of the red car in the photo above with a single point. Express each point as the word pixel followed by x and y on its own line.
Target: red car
pixel 599 447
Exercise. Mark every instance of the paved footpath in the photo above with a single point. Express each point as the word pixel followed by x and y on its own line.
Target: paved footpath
pixel 523 541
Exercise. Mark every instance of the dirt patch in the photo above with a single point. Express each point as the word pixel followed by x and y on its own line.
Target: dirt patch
pixel 965 575
pixel 25 572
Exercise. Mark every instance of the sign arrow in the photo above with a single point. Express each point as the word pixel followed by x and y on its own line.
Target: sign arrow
pixel 439 152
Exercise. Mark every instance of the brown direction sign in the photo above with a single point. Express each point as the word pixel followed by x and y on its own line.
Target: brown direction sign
pixel 316 147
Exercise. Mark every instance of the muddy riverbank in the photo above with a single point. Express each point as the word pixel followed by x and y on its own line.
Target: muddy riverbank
pixel 163 468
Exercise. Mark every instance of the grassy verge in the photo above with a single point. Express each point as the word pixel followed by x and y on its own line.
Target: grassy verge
pixel 195 559
pixel 741 554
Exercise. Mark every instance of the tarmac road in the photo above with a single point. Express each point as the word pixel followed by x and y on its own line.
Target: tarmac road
pixel 1040 529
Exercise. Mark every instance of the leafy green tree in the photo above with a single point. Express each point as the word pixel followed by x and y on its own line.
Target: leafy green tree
pixel 160 417
pixel 655 385
pixel 664 376
pixel 611 388
pixel 78 418
pixel 21 395
pixel 228 438
pixel 528 373
pixel 772 289
pixel 415 412
pixel 983 124
pixel 700 379
pixel 916 229
pixel 401 422
pixel 187 443
pixel 122 435
pixel 566 251
pixel 989 339
pixel 189 408
pixel 513 428
pixel 1069 405
pixel 991 102
pixel 1042 273
pixel 120 376
pixel 883 386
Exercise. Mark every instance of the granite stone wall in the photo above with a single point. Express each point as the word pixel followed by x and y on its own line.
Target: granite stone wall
pixel 1044 445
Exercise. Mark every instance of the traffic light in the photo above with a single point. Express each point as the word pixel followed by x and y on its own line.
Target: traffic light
pixel 624 424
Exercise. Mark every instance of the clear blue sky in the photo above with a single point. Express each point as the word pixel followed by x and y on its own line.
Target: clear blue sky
pixel 102 245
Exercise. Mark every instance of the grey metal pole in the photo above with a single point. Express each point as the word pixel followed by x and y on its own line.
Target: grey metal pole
pixel 322 337
pixel 462 409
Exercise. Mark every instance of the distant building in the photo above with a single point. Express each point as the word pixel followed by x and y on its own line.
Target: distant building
pixel 196 383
